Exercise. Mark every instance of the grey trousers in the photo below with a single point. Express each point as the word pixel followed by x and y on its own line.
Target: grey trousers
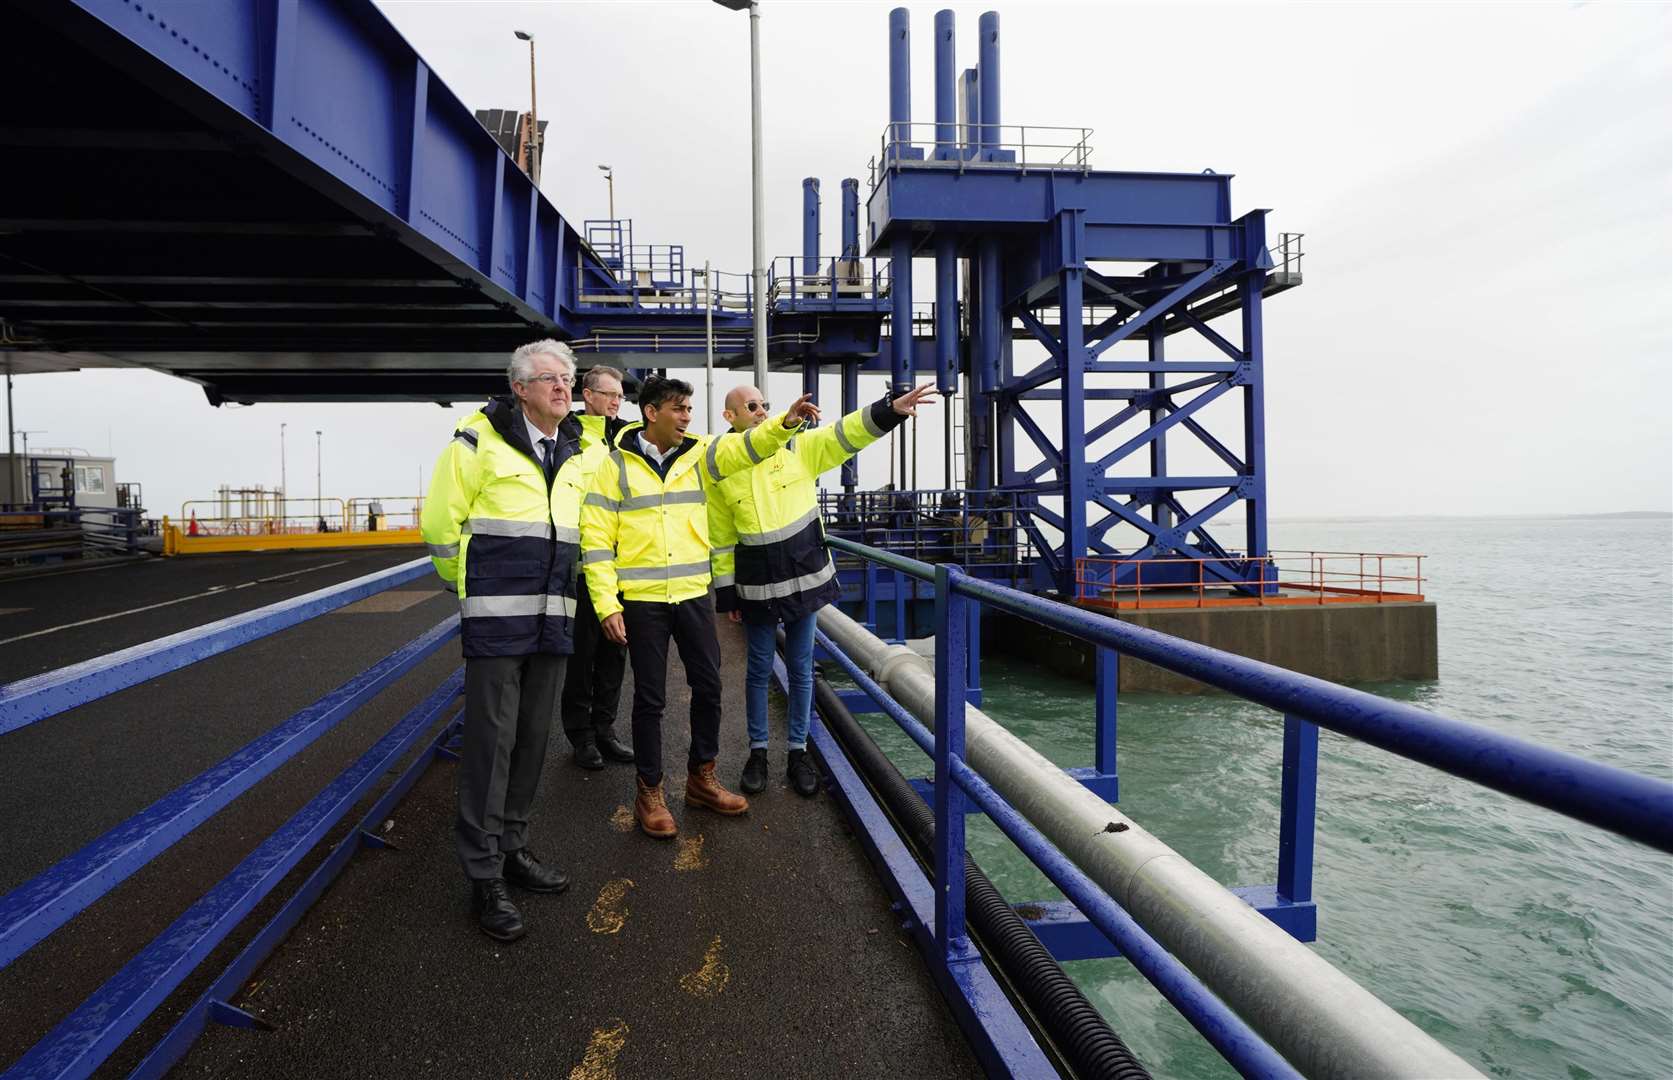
pixel 509 705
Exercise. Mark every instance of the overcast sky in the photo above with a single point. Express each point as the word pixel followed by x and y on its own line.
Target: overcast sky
pixel 1486 190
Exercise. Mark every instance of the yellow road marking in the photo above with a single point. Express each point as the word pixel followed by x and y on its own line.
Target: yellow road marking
pixel 609 911
pixel 600 1060
pixel 690 856
pixel 709 980
pixel 622 819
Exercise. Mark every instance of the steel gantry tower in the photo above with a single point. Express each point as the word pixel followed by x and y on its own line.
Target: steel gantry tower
pixel 1100 270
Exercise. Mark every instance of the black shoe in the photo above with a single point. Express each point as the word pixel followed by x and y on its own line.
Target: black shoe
pixel 495 913
pixel 754 780
pixel 803 776
pixel 615 750
pixel 524 871
pixel 588 757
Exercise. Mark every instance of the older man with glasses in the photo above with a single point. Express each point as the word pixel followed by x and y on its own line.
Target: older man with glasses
pixel 502 522
pixel 592 687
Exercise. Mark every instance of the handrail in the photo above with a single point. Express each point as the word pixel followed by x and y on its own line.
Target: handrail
pixel 45 902
pixel 29 700
pixel 1631 804
pixel 1222 1027
pixel 86 1038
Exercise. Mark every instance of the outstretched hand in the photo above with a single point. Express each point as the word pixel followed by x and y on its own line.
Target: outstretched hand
pixel 803 411
pixel 907 404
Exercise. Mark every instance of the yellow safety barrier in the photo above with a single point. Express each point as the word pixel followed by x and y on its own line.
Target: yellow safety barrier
pixel 176 541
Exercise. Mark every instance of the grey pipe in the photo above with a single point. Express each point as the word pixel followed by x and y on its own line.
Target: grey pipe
pixel 1322 1021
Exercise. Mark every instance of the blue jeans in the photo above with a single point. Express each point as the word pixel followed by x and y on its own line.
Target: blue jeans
pixel 798 664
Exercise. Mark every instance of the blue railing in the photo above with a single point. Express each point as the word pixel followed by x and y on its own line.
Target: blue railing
pixel 33 910
pixel 1635 806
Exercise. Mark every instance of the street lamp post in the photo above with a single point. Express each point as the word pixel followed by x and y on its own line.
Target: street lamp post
pixel 283 483
pixel 759 276
pixel 534 115
pixel 610 182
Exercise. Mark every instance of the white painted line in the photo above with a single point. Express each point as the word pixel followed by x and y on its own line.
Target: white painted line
pixel 216 590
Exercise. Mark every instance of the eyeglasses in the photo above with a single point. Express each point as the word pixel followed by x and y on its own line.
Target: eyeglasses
pixel 549 379
pixel 757 406
pixel 607 395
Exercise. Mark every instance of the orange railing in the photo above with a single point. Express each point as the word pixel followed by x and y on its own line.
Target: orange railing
pixel 1281 578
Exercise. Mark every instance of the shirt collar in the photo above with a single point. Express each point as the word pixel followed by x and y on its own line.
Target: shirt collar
pixel 535 434
pixel 649 449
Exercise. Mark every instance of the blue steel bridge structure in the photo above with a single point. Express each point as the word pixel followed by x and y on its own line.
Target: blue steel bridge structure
pixel 282 201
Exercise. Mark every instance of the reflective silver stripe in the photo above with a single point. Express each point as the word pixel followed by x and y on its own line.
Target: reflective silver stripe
pixel 499 607
pixel 670 498
pixel 503 527
pixel 787 588
pixel 750 446
pixel 844 441
pixel 444 551
pixel 727 550
pixel 598 555
pixel 723 581
pixel 712 460
pixel 653 573
pixel 871 425
pixel 450 586
pixel 773 536
pixel 595 498
pixel 467 438
pixel 566 534
pixel 621 472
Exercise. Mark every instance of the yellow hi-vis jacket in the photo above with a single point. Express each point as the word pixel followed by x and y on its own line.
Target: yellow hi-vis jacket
pixel 644 530
pixel 770 559
pixel 504 541
pixel 598 429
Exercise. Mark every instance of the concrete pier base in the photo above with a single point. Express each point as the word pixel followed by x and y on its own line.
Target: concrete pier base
pixel 1347 643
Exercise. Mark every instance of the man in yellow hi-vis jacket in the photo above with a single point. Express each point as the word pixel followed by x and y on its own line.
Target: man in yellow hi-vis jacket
pixel 645 533
pixel 771 566
pixel 502 524
pixel 592 686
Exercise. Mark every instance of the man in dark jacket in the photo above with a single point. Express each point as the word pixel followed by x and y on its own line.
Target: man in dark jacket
pixel 502 525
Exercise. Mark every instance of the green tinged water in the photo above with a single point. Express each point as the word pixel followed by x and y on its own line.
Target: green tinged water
pixel 1531 945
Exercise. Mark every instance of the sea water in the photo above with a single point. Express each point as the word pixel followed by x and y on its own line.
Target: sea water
pixel 1532 945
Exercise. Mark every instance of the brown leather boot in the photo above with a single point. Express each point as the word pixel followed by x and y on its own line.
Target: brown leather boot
pixel 650 809
pixel 702 789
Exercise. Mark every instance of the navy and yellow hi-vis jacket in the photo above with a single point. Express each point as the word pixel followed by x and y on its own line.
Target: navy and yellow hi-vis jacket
pixel 770 559
pixel 508 545
pixel 644 530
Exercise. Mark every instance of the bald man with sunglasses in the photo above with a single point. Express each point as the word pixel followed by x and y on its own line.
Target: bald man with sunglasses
pixel 770 564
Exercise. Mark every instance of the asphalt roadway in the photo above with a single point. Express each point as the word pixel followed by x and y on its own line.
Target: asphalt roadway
pixel 752 946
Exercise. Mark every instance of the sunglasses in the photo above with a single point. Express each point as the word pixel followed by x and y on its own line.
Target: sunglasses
pixel 757 406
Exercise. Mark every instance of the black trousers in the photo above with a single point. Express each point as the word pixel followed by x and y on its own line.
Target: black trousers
pixel 691 624
pixel 509 705
pixel 592 687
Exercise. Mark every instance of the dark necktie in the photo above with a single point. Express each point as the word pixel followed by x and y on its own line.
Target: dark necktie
pixel 548 458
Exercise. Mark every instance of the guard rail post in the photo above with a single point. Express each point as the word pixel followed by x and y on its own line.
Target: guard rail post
pixel 951 625
pixel 1298 801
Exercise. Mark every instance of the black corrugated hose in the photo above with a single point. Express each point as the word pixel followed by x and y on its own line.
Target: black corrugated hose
pixel 1081 1034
